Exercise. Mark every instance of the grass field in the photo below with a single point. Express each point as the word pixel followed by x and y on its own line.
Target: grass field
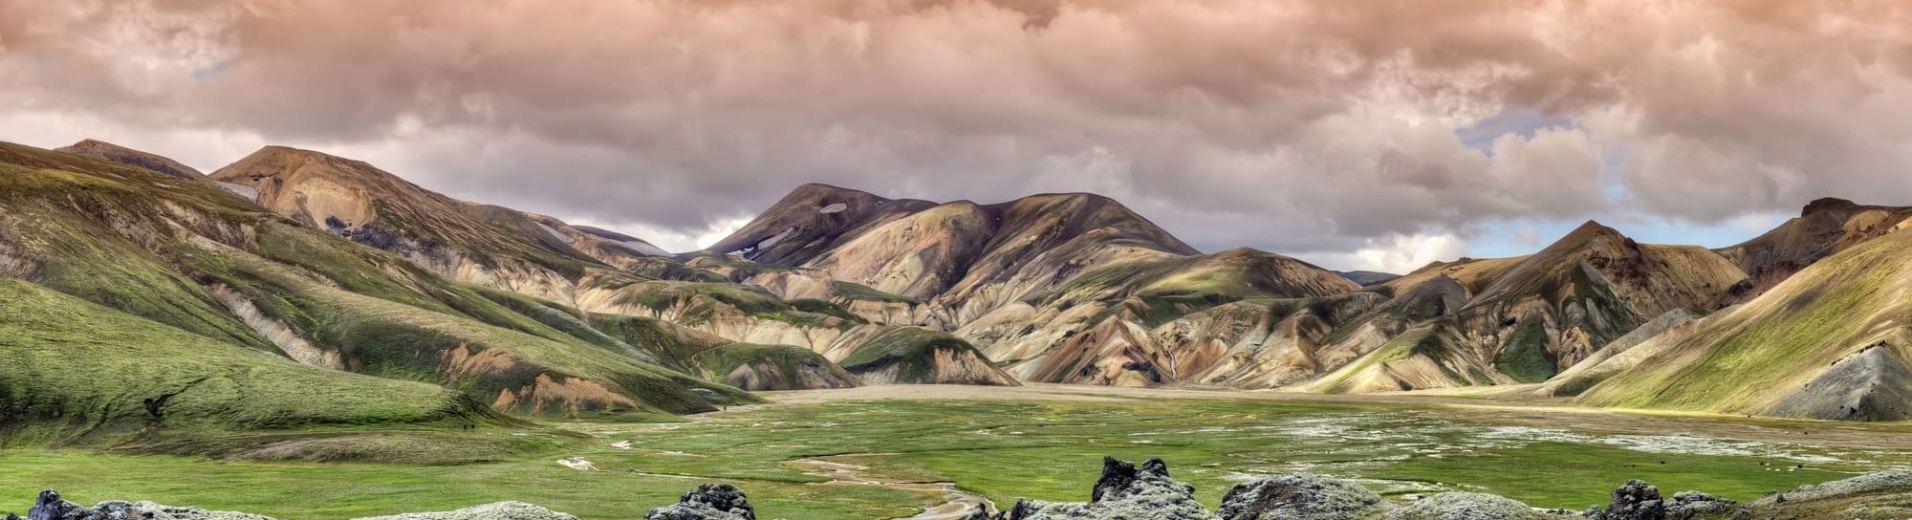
pixel 1002 449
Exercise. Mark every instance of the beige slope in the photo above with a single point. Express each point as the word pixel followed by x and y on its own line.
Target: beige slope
pixel 1237 318
pixel 920 255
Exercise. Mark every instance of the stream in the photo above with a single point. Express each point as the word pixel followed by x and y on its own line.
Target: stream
pixel 958 503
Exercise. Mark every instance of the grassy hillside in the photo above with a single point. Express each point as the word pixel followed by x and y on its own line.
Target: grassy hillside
pixel 193 256
pixel 76 372
pixel 919 355
pixel 512 369
pixel 1778 346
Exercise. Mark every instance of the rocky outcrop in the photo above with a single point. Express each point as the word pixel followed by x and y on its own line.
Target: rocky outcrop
pixel 708 502
pixel 49 506
pixel 1299 496
pixel 1634 500
pixel 1860 485
pixel 1124 492
pixel 1464 506
pixel 1637 500
pixel 1694 504
pixel 1127 491
pixel 496 511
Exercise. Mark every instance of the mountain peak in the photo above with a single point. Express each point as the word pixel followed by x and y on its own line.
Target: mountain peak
pixel 284 161
pixel 1825 204
pixel 106 151
pixel 1589 232
pixel 821 189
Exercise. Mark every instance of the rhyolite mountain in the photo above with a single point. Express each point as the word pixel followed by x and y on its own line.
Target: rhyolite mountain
pixel 1523 320
pixel 302 261
pixel 593 271
pixel 1830 342
pixel 1062 288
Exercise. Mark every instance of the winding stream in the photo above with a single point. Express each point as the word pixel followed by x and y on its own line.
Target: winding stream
pixel 957 504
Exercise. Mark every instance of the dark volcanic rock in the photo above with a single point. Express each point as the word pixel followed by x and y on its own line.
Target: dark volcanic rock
pixel 1299 496
pixel 1124 492
pixel 1693 504
pixel 708 502
pixel 49 506
pixel 1634 500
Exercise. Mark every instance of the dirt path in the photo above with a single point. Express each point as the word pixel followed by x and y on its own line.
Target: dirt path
pixel 957 504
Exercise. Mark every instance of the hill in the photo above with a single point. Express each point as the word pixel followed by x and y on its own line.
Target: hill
pixel 203 260
pixel 1830 342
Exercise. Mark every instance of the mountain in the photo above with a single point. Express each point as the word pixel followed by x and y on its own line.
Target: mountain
pixel 334 272
pixel 587 270
pixel 208 273
pixel 1830 342
pixel 1526 319
pixel 1825 227
pixel 1056 287
pixel 1366 278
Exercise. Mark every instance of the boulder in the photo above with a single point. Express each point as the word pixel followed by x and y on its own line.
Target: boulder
pixel 1299 496
pixel 1464 506
pixel 708 502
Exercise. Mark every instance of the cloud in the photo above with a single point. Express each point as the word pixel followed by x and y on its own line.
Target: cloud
pixel 1290 125
pixel 1398 254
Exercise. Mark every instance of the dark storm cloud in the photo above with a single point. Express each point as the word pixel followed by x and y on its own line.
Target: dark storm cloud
pixel 1295 125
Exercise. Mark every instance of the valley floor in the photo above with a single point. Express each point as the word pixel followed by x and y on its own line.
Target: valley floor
pixel 847 454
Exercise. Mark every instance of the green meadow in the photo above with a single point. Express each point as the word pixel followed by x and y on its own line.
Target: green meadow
pixel 1048 450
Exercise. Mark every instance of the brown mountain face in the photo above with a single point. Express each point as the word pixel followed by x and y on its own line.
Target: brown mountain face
pixel 1825 227
pixel 1064 287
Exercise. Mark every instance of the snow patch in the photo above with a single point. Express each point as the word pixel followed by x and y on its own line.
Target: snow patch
pixel 556 234
pixel 834 208
pixel 774 240
pixel 622 445
pixel 243 190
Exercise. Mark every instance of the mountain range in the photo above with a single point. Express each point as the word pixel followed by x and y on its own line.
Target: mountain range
pixel 291 288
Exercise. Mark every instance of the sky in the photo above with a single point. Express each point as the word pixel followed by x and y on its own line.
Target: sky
pixel 1356 134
